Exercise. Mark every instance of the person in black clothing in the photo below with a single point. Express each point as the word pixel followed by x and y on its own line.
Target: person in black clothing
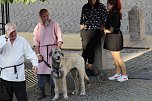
pixel 92 22
pixel 114 39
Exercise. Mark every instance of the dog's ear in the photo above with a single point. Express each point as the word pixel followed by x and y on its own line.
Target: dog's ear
pixel 62 54
pixel 50 54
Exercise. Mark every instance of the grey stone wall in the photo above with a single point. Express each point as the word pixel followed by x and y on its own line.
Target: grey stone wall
pixel 100 60
pixel 136 23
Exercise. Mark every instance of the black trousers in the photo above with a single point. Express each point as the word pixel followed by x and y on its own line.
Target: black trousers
pixel 18 88
pixel 89 53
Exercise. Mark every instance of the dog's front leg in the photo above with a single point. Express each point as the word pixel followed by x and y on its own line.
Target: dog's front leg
pixel 56 90
pixel 82 84
pixel 65 88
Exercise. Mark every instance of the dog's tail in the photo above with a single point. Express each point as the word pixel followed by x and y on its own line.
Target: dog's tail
pixel 86 77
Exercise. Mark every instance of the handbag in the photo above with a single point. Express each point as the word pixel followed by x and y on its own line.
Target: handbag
pixel 3 92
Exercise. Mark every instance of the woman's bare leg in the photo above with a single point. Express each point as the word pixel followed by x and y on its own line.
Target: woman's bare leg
pixel 119 63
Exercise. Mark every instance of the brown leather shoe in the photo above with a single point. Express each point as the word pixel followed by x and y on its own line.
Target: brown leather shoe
pixel 42 94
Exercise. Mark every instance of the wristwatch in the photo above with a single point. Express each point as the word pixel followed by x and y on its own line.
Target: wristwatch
pixel 38 54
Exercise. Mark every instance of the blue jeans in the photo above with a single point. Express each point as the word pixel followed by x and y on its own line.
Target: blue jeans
pixel 42 78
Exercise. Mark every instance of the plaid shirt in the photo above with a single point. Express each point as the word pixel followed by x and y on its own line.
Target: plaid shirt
pixel 93 18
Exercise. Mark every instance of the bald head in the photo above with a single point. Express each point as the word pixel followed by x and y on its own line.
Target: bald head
pixel 42 11
pixel 44 15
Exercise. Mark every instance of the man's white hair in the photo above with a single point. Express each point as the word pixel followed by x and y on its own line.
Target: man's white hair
pixel 9 27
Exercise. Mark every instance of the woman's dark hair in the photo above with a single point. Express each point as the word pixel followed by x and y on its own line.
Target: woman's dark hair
pixel 116 7
pixel 95 5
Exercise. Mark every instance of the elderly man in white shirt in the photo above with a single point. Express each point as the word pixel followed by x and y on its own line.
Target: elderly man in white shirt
pixel 13 51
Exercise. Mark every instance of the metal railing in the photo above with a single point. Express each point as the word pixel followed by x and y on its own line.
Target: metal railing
pixel 4 16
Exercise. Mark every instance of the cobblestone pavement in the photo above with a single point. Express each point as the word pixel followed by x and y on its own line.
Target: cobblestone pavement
pixel 131 90
pixel 67 13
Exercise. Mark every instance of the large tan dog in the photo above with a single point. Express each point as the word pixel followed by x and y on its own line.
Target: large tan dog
pixel 62 64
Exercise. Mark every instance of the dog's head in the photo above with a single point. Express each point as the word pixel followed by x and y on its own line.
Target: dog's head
pixel 56 54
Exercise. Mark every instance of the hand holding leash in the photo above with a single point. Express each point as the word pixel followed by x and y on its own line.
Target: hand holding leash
pixel 40 58
pixel 59 44
pixel 34 69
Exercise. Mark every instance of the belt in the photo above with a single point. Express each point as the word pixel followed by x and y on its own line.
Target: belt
pixel 48 45
pixel 47 48
pixel 15 69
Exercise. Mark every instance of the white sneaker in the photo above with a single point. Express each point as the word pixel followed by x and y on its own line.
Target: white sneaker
pixel 123 78
pixel 115 77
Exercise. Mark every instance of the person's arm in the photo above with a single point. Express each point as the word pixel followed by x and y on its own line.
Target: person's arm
pixel 114 24
pixel 30 54
pixel 3 40
pixel 58 35
pixel 36 43
pixel 37 50
pixel 82 18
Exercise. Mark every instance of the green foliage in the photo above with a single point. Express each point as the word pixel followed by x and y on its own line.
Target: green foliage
pixel 25 1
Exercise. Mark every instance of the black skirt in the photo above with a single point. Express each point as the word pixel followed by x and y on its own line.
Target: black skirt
pixel 113 42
